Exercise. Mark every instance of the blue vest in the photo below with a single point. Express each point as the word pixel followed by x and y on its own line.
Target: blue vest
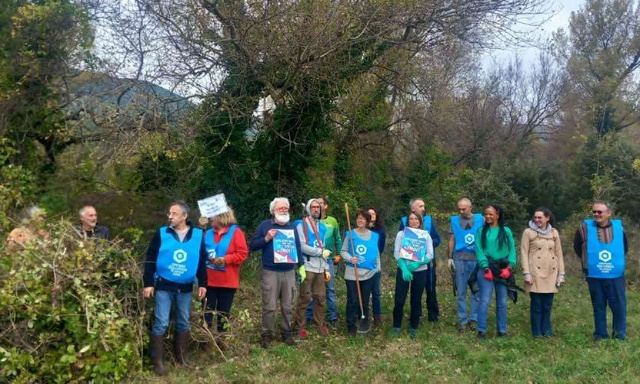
pixel 366 251
pixel 178 262
pixel 217 249
pixel 426 222
pixel 312 240
pixel 465 238
pixel 605 261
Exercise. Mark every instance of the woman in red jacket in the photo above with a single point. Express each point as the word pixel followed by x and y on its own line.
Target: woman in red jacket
pixel 227 249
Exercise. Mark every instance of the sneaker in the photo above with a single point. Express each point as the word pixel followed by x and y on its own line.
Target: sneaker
pixel 377 321
pixel 323 330
pixel 472 325
pixel 460 327
pixel 395 332
pixel 302 334
pixel 332 323
pixel 502 334
pixel 481 335
pixel 413 333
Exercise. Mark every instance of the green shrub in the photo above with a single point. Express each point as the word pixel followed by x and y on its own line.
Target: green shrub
pixel 71 310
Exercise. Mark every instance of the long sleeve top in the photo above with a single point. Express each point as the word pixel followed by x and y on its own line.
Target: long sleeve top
pixel 491 251
pixel 605 234
pixel 398 245
pixel 332 240
pixel 313 261
pixel 237 253
pixel 258 243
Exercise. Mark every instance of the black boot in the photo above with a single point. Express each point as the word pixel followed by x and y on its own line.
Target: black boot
pixel 181 347
pixel 157 355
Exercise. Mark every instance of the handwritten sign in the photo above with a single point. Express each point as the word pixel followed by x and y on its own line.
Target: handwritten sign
pixel 213 206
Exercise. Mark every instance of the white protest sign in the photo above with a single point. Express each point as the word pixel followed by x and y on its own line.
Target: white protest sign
pixel 213 206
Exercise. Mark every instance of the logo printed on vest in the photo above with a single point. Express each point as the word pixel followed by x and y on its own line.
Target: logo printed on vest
pixel 605 256
pixel 361 250
pixel 179 256
pixel 470 238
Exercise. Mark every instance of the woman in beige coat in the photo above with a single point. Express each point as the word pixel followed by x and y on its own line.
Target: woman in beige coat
pixel 543 268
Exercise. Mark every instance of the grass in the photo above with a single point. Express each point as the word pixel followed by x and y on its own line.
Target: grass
pixel 439 354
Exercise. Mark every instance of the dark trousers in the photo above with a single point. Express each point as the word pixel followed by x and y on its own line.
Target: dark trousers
pixel 353 305
pixel 432 301
pixel 219 300
pixel 376 294
pixel 540 314
pixel 612 292
pixel 402 288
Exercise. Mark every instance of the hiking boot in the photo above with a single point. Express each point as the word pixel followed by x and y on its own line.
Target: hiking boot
pixel 502 334
pixel 157 355
pixel 181 342
pixel 302 334
pixel 482 335
pixel 323 330
pixel 265 340
pixel 377 321
pixel 222 344
pixel 473 325
pixel 460 327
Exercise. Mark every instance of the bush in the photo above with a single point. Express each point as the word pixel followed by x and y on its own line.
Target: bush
pixel 72 310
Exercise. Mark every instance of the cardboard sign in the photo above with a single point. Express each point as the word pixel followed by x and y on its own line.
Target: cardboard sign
pixel 213 206
pixel 284 247
pixel 414 244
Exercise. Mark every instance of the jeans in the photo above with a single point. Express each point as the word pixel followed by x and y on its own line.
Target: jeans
pixel 219 300
pixel 540 314
pixel 402 288
pixel 330 291
pixel 162 312
pixel 612 292
pixel 375 295
pixel 464 268
pixel 432 300
pixel 486 289
pixel 353 304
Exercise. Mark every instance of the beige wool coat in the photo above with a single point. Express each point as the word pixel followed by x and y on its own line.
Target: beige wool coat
pixel 542 258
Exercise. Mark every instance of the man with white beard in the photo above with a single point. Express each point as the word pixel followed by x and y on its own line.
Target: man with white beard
pixel 278 276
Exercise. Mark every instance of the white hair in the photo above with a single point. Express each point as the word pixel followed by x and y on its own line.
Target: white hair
pixel 413 201
pixel 84 209
pixel 272 205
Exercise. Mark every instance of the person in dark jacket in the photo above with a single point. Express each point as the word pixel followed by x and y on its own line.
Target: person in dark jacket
pixel 176 257
pixel 278 269
pixel 89 224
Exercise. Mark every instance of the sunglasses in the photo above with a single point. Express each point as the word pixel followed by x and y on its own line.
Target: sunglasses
pixel 597 212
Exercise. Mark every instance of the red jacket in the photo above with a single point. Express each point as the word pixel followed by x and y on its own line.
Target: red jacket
pixel 237 253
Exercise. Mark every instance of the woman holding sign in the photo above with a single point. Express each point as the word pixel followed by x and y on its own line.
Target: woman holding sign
pixel 361 253
pixel 496 253
pixel 413 251
pixel 227 249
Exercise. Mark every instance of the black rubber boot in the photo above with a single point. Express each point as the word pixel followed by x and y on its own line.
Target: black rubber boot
pixel 181 347
pixel 157 355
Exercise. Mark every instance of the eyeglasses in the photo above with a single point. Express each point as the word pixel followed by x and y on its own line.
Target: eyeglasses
pixel 597 212
pixel 282 209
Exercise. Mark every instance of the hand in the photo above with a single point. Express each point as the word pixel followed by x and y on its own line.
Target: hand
pixel 326 253
pixel 354 260
pixel 413 265
pixel 202 292
pixel 327 277
pixel 407 275
pixel 303 273
pixel 452 265
pixel 219 261
pixel 487 274
pixel 270 235
pixel 147 292
pixel 505 273
pixel 560 280
pixel 336 259
pixel 528 279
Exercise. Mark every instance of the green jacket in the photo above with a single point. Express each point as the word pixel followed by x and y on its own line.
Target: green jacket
pixel 491 250
pixel 332 238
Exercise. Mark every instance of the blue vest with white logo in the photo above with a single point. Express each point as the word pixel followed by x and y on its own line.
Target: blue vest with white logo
pixel 426 222
pixel 218 249
pixel 465 238
pixel 312 240
pixel 605 261
pixel 366 251
pixel 178 262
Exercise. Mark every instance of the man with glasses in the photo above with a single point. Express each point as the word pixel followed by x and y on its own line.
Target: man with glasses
pixel 278 275
pixel 175 258
pixel 601 244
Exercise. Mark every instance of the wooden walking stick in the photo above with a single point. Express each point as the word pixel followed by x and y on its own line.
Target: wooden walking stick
pixel 361 327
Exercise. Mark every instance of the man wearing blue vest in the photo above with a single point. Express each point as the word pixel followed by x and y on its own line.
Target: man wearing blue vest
pixel 417 206
pixel 278 273
pixel 602 246
pixel 312 234
pixel 462 260
pixel 176 257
